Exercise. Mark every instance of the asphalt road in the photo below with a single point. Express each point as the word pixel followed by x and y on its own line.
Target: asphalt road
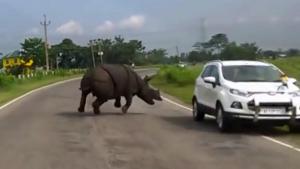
pixel 44 131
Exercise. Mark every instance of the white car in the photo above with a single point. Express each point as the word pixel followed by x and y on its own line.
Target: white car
pixel 246 90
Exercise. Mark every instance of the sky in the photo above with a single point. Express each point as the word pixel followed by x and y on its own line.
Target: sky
pixel 272 24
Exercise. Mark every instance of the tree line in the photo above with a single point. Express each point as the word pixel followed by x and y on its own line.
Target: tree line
pixel 67 54
pixel 220 47
pixel 117 50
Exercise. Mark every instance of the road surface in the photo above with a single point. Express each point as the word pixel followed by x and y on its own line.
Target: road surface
pixel 44 131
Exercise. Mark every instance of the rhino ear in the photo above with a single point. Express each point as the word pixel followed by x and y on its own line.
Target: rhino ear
pixel 147 78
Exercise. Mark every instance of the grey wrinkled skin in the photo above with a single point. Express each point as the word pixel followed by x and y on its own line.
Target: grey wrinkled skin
pixel 108 82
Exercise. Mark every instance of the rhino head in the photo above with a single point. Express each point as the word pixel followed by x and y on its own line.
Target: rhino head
pixel 147 93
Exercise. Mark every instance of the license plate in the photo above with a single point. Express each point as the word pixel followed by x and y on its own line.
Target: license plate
pixel 272 111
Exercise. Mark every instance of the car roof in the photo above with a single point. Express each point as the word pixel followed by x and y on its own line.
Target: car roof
pixel 241 62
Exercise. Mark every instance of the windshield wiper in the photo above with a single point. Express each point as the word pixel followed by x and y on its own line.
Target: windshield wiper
pixel 277 80
pixel 252 80
pixel 256 80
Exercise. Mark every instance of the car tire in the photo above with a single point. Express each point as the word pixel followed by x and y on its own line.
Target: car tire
pixel 294 128
pixel 198 114
pixel 223 122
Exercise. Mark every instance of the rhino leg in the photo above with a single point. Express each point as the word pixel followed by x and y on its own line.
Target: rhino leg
pixel 118 102
pixel 127 105
pixel 96 105
pixel 82 101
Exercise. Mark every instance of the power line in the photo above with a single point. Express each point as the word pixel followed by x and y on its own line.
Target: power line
pixel 45 24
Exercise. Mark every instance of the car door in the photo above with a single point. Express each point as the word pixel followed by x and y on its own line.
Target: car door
pixel 202 87
pixel 212 90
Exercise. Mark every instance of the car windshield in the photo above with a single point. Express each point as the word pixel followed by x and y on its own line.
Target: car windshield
pixel 251 73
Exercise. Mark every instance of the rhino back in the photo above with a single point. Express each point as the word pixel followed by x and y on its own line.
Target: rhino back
pixel 125 79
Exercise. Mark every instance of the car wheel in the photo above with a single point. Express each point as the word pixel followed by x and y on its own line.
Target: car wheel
pixel 198 114
pixel 294 128
pixel 222 121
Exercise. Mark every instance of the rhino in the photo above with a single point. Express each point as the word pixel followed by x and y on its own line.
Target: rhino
pixel 107 82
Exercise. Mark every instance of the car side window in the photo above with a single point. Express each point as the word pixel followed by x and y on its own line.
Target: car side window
pixel 215 73
pixel 206 72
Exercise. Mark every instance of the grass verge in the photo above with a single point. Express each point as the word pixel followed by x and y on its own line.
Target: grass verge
pixel 178 82
pixel 20 87
pixel 184 93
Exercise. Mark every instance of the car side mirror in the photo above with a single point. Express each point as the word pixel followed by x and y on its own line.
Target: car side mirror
pixel 211 80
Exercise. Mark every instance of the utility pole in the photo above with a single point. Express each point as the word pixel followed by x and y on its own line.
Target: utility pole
pixel 45 24
pixel 203 30
pixel 100 53
pixel 92 50
pixel 177 52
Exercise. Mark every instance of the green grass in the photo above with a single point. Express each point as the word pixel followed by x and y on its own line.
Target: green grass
pixel 176 81
pixel 291 66
pixel 12 88
pixel 182 92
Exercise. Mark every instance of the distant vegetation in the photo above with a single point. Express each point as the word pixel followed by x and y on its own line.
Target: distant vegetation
pixel 118 50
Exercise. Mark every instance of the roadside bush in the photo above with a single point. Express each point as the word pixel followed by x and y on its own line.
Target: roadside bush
pixel 9 80
pixel 6 80
pixel 179 76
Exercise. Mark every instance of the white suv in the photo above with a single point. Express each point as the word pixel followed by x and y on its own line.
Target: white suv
pixel 246 90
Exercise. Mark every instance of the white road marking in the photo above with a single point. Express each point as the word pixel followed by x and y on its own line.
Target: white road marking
pixel 177 104
pixel 281 143
pixel 263 136
pixel 36 90
pixel 184 107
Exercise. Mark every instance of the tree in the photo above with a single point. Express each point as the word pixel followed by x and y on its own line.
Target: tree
pixel 219 47
pixel 216 44
pixel 199 56
pixel 157 56
pixel 247 51
pixel 269 54
pixel 72 55
pixel 194 56
pixel 120 51
pixel 33 47
pixel 293 52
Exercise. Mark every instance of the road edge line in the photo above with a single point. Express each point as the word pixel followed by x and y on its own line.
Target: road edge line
pixel 184 107
pixel 263 136
pixel 36 90
pixel 281 143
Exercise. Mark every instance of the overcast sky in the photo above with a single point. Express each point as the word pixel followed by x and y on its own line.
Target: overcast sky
pixel 272 24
